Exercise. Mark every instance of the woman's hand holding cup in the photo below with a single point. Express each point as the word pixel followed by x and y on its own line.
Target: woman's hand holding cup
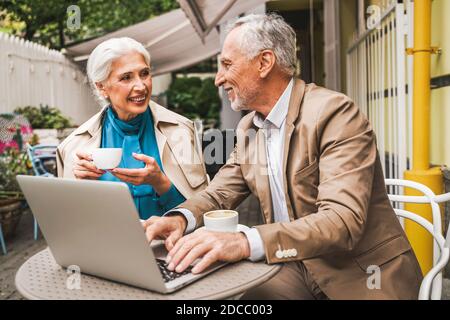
pixel 151 174
pixel 84 168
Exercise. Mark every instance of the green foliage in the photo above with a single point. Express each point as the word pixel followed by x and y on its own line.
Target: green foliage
pixel 208 65
pixel 12 163
pixel 195 99
pixel 45 21
pixel 44 117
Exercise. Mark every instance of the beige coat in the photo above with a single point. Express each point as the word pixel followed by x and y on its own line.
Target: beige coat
pixel 341 221
pixel 179 150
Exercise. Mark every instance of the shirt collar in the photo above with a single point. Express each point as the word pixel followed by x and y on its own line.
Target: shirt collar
pixel 279 112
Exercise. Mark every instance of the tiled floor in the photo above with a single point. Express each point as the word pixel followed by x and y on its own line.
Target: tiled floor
pixel 20 248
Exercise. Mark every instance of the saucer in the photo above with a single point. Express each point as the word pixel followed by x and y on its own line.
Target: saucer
pixel 240 228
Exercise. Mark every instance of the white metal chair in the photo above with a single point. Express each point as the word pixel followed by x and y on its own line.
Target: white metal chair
pixel 431 287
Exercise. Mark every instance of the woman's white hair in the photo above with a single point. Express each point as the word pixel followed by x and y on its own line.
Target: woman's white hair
pixel 267 31
pixel 102 57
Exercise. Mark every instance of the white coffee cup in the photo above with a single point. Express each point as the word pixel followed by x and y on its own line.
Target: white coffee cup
pixel 221 220
pixel 107 158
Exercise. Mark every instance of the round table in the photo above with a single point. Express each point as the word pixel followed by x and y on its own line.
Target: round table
pixel 40 277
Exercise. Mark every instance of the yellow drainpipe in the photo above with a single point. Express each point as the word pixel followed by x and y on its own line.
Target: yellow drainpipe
pixel 420 239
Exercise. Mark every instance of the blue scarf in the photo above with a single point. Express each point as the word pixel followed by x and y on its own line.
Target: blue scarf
pixel 136 135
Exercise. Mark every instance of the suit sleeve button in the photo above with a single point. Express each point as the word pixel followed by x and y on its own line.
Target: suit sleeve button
pixel 279 254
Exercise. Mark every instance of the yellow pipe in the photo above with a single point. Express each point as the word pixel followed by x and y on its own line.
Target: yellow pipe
pixel 421 241
pixel 421 97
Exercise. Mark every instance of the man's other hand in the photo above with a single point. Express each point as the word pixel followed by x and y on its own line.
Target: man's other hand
pixel 210 247
pixel 168 228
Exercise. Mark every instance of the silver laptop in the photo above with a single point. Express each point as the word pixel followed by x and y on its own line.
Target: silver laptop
pixel 95 225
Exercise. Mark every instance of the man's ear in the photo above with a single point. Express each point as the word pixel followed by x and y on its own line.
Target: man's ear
pixel 266 62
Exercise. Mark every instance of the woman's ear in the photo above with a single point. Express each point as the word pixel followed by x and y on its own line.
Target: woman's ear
pixel 101 87
pixel 266 62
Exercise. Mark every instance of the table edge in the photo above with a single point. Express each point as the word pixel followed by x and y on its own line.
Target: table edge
pixel 218 296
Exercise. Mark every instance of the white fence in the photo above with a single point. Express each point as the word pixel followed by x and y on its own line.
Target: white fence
pixel 31 74
pixel 379 80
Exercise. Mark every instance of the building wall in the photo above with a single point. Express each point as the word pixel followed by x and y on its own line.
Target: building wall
pixel 440 66
pixel 347 9
pixel 161 83
pixel 440 98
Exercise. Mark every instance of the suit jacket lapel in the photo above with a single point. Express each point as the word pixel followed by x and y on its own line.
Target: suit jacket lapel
pixel 161 140
pixel 160 119
pixel 92 136
pixel 262 177
pixel 298 91
pixel 164 126
pixel 94 129
pixel 175 151
pixel 294 113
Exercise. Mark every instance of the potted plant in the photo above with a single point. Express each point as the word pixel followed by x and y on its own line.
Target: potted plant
pixel 14 133
pixel 48 123
pixel 12 202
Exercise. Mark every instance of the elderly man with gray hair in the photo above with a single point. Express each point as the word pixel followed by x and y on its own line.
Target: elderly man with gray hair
pixel 317 176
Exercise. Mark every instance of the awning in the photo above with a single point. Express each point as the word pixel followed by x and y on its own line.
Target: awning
pixel 205 14
pixel 171 38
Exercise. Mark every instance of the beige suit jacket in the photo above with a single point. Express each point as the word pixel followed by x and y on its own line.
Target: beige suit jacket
pixel 341 221
pixel 179 150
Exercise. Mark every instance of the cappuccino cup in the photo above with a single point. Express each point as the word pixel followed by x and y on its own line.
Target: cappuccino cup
pixel 107 158
pixel 221 220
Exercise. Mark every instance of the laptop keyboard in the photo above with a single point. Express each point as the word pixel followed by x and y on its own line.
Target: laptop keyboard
pixel 170 275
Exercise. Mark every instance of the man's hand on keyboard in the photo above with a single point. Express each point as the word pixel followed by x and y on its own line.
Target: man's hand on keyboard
pixel 210 247
pixel 169 228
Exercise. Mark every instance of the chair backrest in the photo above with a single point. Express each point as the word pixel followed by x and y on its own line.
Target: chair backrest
pixel 39 156
pixel 429 289
pixel 433 279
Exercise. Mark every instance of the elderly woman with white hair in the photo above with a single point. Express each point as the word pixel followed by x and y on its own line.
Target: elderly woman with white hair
pixel 161 161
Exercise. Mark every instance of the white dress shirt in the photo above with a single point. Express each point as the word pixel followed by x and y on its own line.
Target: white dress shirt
pixel 273 127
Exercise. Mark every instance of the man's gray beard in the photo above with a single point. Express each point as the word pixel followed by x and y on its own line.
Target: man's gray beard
pixel 237 105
